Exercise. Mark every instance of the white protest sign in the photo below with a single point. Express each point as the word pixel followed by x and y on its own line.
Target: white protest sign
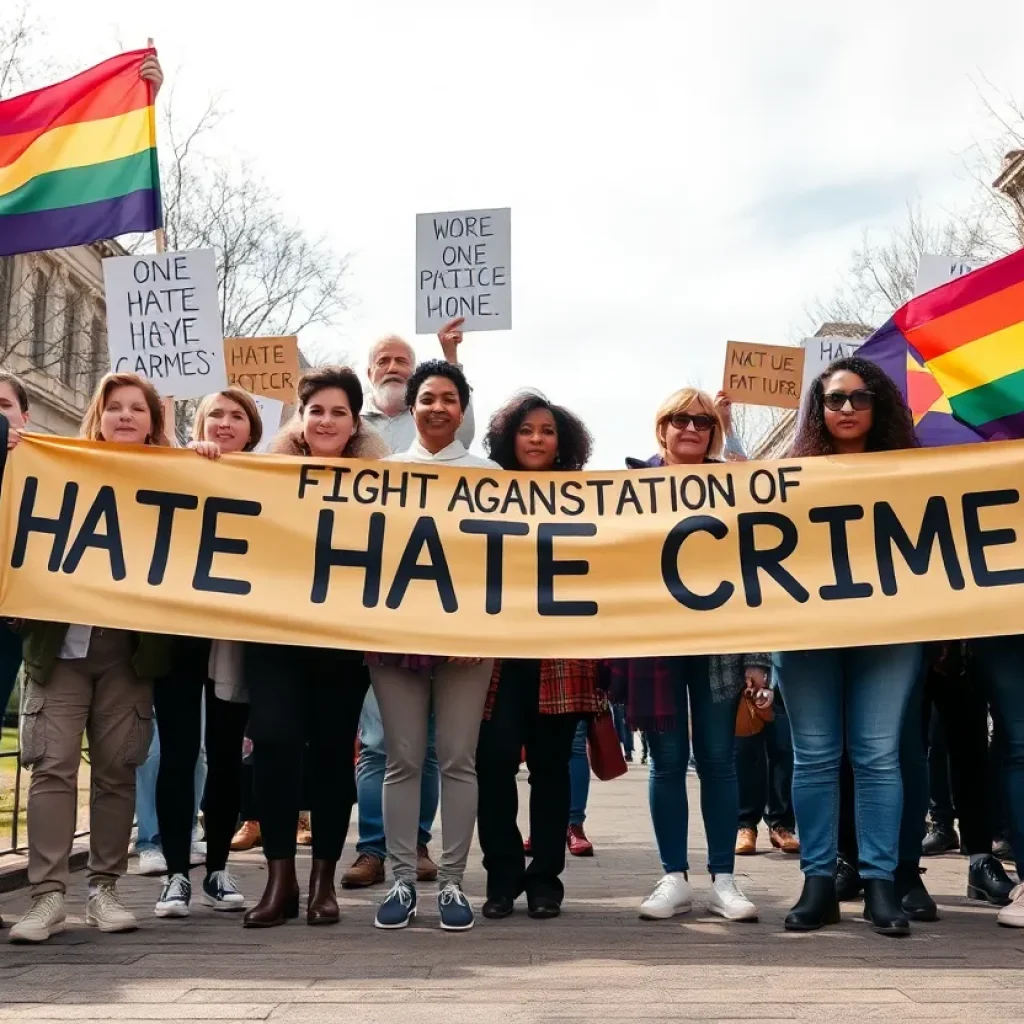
pixel 270 416
pixel 463 268
pixel 820 352
pixel 933 271
pixel 163 321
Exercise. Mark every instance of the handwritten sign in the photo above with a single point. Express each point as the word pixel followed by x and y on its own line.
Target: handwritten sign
pixel 463 268
pixel 819 353
pixel 270 410
pixel 264 366
pixel 764 374
pixel 163 320
pixel 934 271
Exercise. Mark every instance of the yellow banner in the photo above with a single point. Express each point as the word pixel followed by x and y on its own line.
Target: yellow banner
pixel 388 556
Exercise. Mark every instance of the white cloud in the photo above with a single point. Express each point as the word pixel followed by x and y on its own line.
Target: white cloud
pixel 632 140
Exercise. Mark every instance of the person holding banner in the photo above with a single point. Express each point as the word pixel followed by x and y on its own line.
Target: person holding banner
pixel 305 701
pixel 437 395
pixel 857 696
pixel 532 705
pixel 204 672
pixel 689 431
pixel 82 679
pixel 392 361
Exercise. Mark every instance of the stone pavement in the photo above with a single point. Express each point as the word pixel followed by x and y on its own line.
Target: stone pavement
pixel 597 962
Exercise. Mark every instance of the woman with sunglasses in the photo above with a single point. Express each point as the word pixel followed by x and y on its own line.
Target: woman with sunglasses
pixel 689 431
pixel 856 695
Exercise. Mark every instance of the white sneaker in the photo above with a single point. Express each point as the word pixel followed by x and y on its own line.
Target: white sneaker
pixel 45 918
pixel 105 911
pixel 174 897
pixel 672 895
pixel 727 901
pixel 1012 915
pixel 197 855
pixel 151 861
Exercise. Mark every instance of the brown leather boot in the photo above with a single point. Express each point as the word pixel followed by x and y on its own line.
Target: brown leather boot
pixel 247 836
pixel 322 907
pixel 366 870
pixel 280 900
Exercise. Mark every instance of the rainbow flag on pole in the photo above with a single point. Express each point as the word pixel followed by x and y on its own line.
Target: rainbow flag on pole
pixel 78 160
pixel 958 353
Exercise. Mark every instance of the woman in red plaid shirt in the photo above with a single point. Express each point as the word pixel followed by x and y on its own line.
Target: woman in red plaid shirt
pixel 532 704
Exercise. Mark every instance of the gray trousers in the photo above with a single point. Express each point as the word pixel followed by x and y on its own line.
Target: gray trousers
pixel 459 693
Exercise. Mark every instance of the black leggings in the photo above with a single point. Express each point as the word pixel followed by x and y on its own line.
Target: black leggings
pixel 178 700
pixel 304 715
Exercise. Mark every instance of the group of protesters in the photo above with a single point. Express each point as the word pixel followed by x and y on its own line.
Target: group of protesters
pixel 855 715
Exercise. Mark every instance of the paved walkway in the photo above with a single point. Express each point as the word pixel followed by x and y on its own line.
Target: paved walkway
pixel 597 962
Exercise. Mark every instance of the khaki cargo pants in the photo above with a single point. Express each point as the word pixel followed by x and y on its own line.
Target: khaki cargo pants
pixel 100 696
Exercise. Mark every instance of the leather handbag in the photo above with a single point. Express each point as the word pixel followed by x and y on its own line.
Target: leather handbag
pixel 750 719
pixel 606 758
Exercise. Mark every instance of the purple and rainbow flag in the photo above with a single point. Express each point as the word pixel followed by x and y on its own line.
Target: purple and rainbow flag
pixel 957 352
pixel 78 160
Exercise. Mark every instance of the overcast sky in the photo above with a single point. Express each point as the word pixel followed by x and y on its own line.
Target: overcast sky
pixel 679 173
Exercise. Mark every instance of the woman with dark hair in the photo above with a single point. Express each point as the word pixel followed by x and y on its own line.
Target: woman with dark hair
pixel 854 694
pixel 533 705
pixel 304 702
pixel 405 685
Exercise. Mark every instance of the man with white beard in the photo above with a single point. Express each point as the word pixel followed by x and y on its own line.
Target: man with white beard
pixel 392 361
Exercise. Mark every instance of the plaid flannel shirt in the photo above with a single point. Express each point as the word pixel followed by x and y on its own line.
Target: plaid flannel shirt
pixel 568 686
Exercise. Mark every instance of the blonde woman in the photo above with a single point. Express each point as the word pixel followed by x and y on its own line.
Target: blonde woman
pixel 82 679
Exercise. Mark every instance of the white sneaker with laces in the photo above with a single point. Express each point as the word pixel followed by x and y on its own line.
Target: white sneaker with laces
pixel 105 911
pixel 151 861
pixel 727 901
pixel 45 917
pixel 672 895
pixel 1012 915
pixel 174 898
pixel 220 891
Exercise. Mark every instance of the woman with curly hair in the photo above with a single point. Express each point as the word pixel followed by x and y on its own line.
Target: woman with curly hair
pixel 533 705
pixel 858 695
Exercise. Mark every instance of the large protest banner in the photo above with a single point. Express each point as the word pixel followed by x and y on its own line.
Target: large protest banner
pixel 464 269
pixel 386 556
pixel 163 321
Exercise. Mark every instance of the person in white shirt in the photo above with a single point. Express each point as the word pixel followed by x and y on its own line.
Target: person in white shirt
pixel 406 685
pixel 392 362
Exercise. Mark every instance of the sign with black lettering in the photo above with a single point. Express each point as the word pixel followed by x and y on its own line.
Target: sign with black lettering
pixel 934 271
pixel 764 374
pixel 464 268
pixel 163 321
pixel 820 353
pixel 264 366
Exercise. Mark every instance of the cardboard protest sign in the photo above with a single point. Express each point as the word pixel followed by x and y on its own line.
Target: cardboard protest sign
pixel 820 352
pixel 270 410
pixel 764 374
pixel 464 268
pixel 934 271
pixel 163 320
pixel 264 366
pixel 899 547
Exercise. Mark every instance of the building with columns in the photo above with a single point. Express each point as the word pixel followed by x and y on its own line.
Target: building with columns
pixel 53 329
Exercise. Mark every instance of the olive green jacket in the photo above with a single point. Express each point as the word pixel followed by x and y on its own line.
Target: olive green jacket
pixel 42 642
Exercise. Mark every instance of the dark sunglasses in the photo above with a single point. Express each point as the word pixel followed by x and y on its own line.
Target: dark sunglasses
pixel 702 424
pixel 859 400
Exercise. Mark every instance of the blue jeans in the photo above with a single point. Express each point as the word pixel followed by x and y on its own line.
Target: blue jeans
pixel 999 661
pixel 145 794
pixel 714 749
pixel 868 689
pixel 624 732
pixel 914 770
pixel 579 776
pixel 370 781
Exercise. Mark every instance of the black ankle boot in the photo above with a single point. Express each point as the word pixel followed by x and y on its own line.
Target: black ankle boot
pixel 882 907
pixel 914 898
pixel 848 883
pixel 816 907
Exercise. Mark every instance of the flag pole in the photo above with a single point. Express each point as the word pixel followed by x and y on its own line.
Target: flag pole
pixel 159 237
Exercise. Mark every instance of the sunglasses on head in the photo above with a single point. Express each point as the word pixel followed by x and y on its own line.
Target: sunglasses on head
pixel 701 423
pixel 859 400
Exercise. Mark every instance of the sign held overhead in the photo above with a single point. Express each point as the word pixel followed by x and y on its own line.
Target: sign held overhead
pixel 463 268
pixel 764 374
pixel 264 366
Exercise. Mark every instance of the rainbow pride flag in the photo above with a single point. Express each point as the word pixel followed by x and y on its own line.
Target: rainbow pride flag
pixel 958 354
pixel 78 160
